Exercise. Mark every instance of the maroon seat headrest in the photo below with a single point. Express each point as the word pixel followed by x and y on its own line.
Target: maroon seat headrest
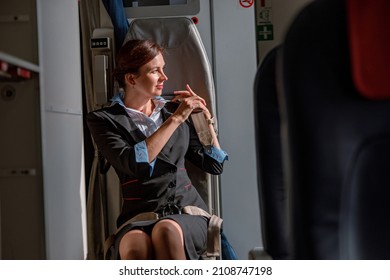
pixel 369 37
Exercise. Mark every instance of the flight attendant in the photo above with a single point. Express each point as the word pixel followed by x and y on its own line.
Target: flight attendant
pixel 147 140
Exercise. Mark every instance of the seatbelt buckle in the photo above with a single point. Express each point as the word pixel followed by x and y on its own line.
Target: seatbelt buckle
pixel 170 209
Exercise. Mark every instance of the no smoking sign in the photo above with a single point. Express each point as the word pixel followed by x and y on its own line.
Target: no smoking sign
pixel 246 3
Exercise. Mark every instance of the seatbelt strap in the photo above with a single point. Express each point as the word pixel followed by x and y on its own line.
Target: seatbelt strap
pixel 202 129
pixel 213 230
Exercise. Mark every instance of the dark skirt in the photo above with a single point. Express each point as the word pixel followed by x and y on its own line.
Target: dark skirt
pixel 194 231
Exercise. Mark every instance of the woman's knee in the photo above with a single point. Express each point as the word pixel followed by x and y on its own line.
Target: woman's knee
pixel 135 245
pixel 168 242
pixel 167 230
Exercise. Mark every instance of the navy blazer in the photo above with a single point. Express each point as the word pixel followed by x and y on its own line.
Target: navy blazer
pixel 115 135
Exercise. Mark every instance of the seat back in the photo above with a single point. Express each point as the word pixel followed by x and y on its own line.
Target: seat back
pixel 364 226
pixel 337 113
pixel 272 192
pixel 186 63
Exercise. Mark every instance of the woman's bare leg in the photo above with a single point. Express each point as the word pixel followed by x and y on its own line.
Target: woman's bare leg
pixel 135 245
pixel 168 242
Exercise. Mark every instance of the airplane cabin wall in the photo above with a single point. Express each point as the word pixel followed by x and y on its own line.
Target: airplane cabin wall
pixel 229 34
pixel 21 191
pixel 62 128
pixel 234 50
pixel 277 14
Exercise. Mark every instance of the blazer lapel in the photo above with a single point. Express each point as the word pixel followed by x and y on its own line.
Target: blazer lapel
pixel 119 115
pixel 172 140
pixel 166 114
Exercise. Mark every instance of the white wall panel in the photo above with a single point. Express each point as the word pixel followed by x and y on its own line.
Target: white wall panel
pixel 62 134
pixel 235 67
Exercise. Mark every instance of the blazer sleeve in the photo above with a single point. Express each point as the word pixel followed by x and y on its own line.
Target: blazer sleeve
pixel 116 145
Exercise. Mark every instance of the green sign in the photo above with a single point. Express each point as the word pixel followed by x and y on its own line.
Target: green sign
pixel 265 32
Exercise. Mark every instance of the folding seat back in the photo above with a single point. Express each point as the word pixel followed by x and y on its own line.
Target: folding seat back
pixel 336 107
pixel 272 191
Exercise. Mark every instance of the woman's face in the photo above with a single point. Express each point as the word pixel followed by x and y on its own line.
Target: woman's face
pixel 151 78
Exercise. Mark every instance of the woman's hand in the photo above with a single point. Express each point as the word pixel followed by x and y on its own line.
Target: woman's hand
pixel 190 102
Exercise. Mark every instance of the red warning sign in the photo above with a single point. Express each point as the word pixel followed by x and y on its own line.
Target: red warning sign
pixel 246 3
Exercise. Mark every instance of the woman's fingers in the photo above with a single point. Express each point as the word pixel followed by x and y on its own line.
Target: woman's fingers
pixel 177 98
pixel 190 90
pixel 182 92
pixel 188 93
pixel 180 95
pixel 195 95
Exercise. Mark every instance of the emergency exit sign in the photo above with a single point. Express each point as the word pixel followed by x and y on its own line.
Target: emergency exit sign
pixel 265 32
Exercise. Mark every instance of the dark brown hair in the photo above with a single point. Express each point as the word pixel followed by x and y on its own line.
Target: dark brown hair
pixel 132 55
